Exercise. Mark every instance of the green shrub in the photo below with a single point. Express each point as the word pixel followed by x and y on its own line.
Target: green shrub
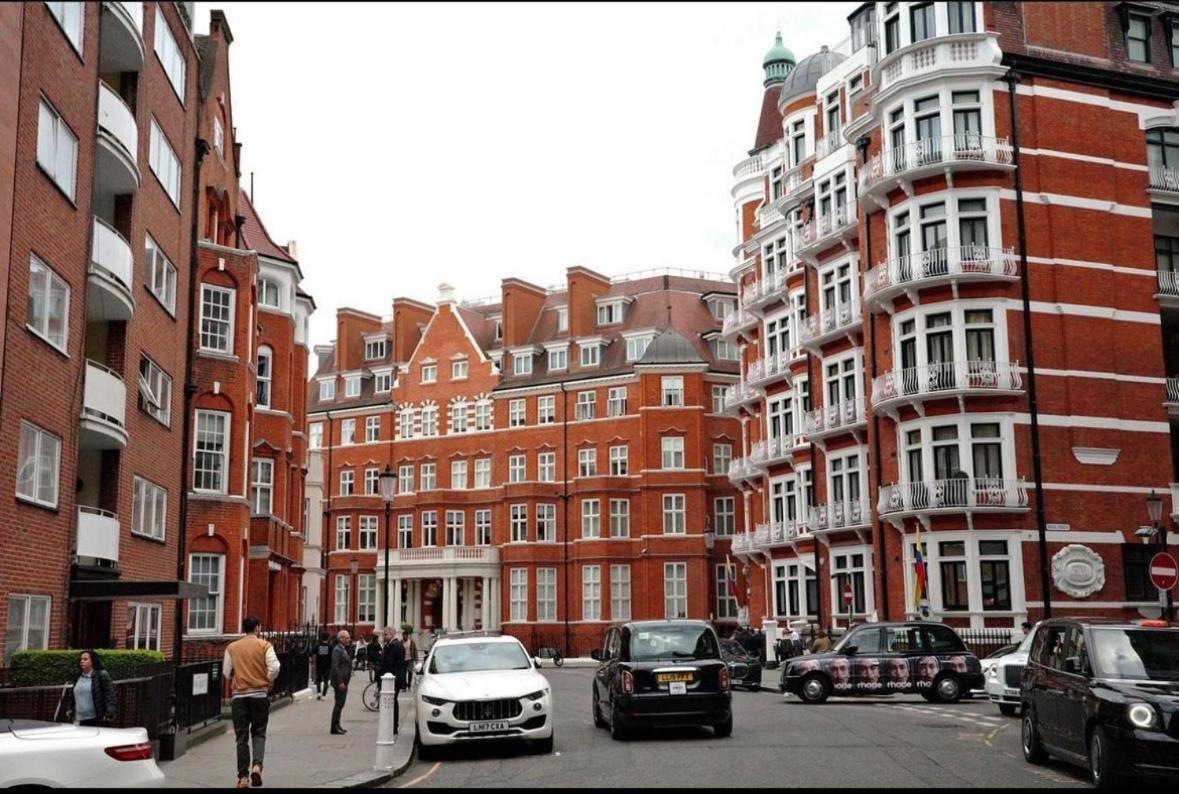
pixel 45 668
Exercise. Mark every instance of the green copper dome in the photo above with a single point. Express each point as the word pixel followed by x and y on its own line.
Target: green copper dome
pixel 778 62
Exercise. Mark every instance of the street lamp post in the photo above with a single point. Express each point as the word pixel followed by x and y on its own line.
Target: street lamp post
pixel 1154 507
pixel 386 480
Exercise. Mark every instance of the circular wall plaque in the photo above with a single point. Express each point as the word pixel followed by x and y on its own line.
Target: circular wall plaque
pixel 1078 571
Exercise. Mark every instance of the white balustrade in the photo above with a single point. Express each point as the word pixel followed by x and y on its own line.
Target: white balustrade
pixel 829 321
pixel 963 494
pixel 831 418
pixel 1173 391
pixel 936 152
pixel 840 515
pixel 1163 178
pixel 961 51
pixel 1168 282
pixel 748 167
pixel 941 264
pixel 946 377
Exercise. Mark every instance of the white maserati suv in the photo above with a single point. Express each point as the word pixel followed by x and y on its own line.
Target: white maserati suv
pixel 478 688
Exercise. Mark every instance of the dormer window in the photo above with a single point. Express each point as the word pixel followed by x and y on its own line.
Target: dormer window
pixel 327 389
pixel 562 319
pixel 724 350
pixel 719 307
pixel 558 358
pixel 636 346
pixel 499 329
pixel 375 348
pixel 1138 38
pixel 589 354
pixel 268 293
pixel 610 313
pixel 352 386
pixel 382 381
pixel 522 364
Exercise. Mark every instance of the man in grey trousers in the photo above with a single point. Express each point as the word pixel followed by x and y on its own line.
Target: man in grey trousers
pixel 340 675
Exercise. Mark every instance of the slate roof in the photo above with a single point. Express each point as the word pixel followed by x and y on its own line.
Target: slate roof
pixel 804 77
pixel 255 236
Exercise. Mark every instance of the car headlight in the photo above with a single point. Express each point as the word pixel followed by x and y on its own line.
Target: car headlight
pixel 993 671
pixel 537 695
pixel 1142 715
pixel 433 701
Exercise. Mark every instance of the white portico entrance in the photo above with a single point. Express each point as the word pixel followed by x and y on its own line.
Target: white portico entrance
pixel 448 587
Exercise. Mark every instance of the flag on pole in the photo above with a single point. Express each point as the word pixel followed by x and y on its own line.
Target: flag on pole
pixel 920 578
pixel 731 578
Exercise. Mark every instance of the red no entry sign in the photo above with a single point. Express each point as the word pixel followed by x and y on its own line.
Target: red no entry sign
pixel 847 593
pixel 1163 571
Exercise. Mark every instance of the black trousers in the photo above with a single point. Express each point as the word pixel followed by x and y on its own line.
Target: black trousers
pixel 338 709
pixel 250 717
pixel 321 679
pixel 95 722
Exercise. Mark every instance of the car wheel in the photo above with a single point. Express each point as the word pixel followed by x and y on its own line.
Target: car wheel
pixel 724 729
pixel 1033 751
pixel 617 729
pixel 1008 709
pixel 815 689
pixel 544 746
pixel 599 720
pixel 947 689
pixel 1103 763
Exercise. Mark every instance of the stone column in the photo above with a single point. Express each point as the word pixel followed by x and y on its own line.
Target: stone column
pixel 496 616
pixel 451 604
pixel 468 619
pixel 485 604
pixel 394 620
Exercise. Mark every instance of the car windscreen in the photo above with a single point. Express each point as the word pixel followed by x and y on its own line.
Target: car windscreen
pixel 672 642
pixel 732 648
pixel 470 657
pixel 1138 654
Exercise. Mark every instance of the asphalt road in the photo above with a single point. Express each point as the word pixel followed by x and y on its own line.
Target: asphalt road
pixel 777 741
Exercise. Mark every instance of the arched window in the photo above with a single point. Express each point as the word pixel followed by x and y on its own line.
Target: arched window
pixel 265 374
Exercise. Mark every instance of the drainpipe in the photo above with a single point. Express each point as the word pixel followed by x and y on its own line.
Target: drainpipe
pixel 811 503
pixel 325 512
pixel 882 551
pixel 565 506
pixel 1012 80
pixel 190 389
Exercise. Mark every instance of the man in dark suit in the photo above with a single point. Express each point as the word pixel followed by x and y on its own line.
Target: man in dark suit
pixel 393 662
pixel 341 674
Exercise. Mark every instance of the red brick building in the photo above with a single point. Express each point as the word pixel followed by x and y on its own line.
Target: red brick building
pixel 955 314
pixel 559 455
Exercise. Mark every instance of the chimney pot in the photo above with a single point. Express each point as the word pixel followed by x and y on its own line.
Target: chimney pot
pixel 445 293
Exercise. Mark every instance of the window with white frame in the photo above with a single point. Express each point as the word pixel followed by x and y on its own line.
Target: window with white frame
pixel 327 389
pixel 405 422
pixel 347 482
pixel 518 523
pixel 164 163
pixel 351 385
pixel 724 511
pixel 482 527
pixel 372 429
pixel 262 486
pixel 343 532
pixel 458 475
pixel 348 431
pixel 675 590
pixel 722 458
pixel 636 346
pixel 405 531
pixel 155 391
pixel 375 348
pixel 971 574
pixel 217 311
pixel 591 592
pixel 620 592
pixel 797 137
pixel 372 479
pixel 616 401
pixel 71 16
pixel 429 528
pixel 405 478
pixel 429 476
pixel 499 328
pixel 845 485
pixel 948 347
pixel 518 594
pixel 483 472
pixel 366 598
pixel 963 452
pixel 341 604
pixel 620 518
pixel 558 358
pixel 516 415
pixel 673 451
pixel 429 373
pixel 591 518
pixel 49 304
pixel 366 532
pixel 522 363
pixel 725 350
pixel 589 354
pixel 205 612
pixel 672 391
pixel 517 471
pixel 546 595
pixel 794 582
pixel 315 435
pixel 674 514
pixel 546 466
pixel 483 415
pixel 842 379
pixel 587 402
pixel 57 149
pixel 718 398
pixel 458 417
pixel 610 313
pixel 546 523
pixel 562 319
pixel 851 567
pixel 587 462
pixel 726 602
pixel 143 626
pixel 429 421
pixel 149 512
pixel 458 370
pixel 455 527
pixel 268 293
pixel 546 410
pixel 778 336
pixel 619 460
pixel 211 450
pixel 171 58
pixel 837 296
pixel 1137 29
pixel 160 274
pixel 382 382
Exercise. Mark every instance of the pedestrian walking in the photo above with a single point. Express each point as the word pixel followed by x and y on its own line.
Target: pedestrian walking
pixel 373 661
pixel 393 662
pixel 251 665
pixel 411 654
pixel 93 693
pixel 821 643
pixel 323 665
pixel 340 675
pixel 360 657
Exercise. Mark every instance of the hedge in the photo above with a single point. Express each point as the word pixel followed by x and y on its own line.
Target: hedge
pixel 46 668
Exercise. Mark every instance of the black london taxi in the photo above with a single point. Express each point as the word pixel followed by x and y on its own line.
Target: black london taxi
pixel 1103 694
pixel 887 659
pixel 661 672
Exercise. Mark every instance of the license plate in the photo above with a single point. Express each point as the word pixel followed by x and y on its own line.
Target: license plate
pixel 677 688
pixel 486 727
pixel 666 678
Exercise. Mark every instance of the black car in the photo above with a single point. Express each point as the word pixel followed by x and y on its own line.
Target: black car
pixel 886 659
pixel 744 670
pixel 661 672
pixel 1105 695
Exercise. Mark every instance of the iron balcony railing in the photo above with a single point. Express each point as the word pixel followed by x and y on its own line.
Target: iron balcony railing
pixel 963 494
pixel 736 320
pixel 815 232
pixel 946 377
pixel 1168 282
pixel 1163 178
pixel 939 264
pixel 935 152
pixel 829 321
pixel 831 418
pixel 840 515
pixel 1173 391
pixel 739 394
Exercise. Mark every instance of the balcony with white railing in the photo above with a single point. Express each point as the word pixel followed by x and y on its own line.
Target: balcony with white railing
pixel 768 215
pixel 121 47
pixel 966 495
pixel 936 267
pixel 765 371
pixel 426 556
pixel 825 231
pixel 738 321
pixel 838 516
pixel 742 544
pixel 749 167
pixel 970 52
pixel 104 409
pixel 1172 398
pixel 828 325
pixel 112 268
pixel 945 379
pixel 842 417
pixel 743 469
pixel 98 536
pixel 938 155
pixel 1163 179
pixel 740 394
pixel 1168 282
pixel 831 142
pixel 767 290
pixel 115 168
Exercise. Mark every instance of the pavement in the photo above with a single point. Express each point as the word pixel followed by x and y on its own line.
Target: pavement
pixel 300 752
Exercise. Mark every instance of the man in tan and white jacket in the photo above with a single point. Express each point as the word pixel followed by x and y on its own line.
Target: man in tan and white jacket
pixel 251 665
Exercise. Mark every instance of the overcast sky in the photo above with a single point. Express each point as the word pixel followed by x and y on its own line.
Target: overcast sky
pixel 402 145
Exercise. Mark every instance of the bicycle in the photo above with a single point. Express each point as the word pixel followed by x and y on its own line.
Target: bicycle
pixel 550 652
pixel 371 697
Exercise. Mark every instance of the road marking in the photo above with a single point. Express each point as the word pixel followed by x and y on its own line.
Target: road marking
pixel 420 778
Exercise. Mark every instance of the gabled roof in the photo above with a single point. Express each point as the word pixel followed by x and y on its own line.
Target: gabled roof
pixel 256 236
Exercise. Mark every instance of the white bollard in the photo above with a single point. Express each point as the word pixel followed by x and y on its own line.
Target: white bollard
pixel 385 725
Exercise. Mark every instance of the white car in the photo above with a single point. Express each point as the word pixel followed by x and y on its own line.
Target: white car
pixel 38 753
pixel 1003 673
pixel 479 688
